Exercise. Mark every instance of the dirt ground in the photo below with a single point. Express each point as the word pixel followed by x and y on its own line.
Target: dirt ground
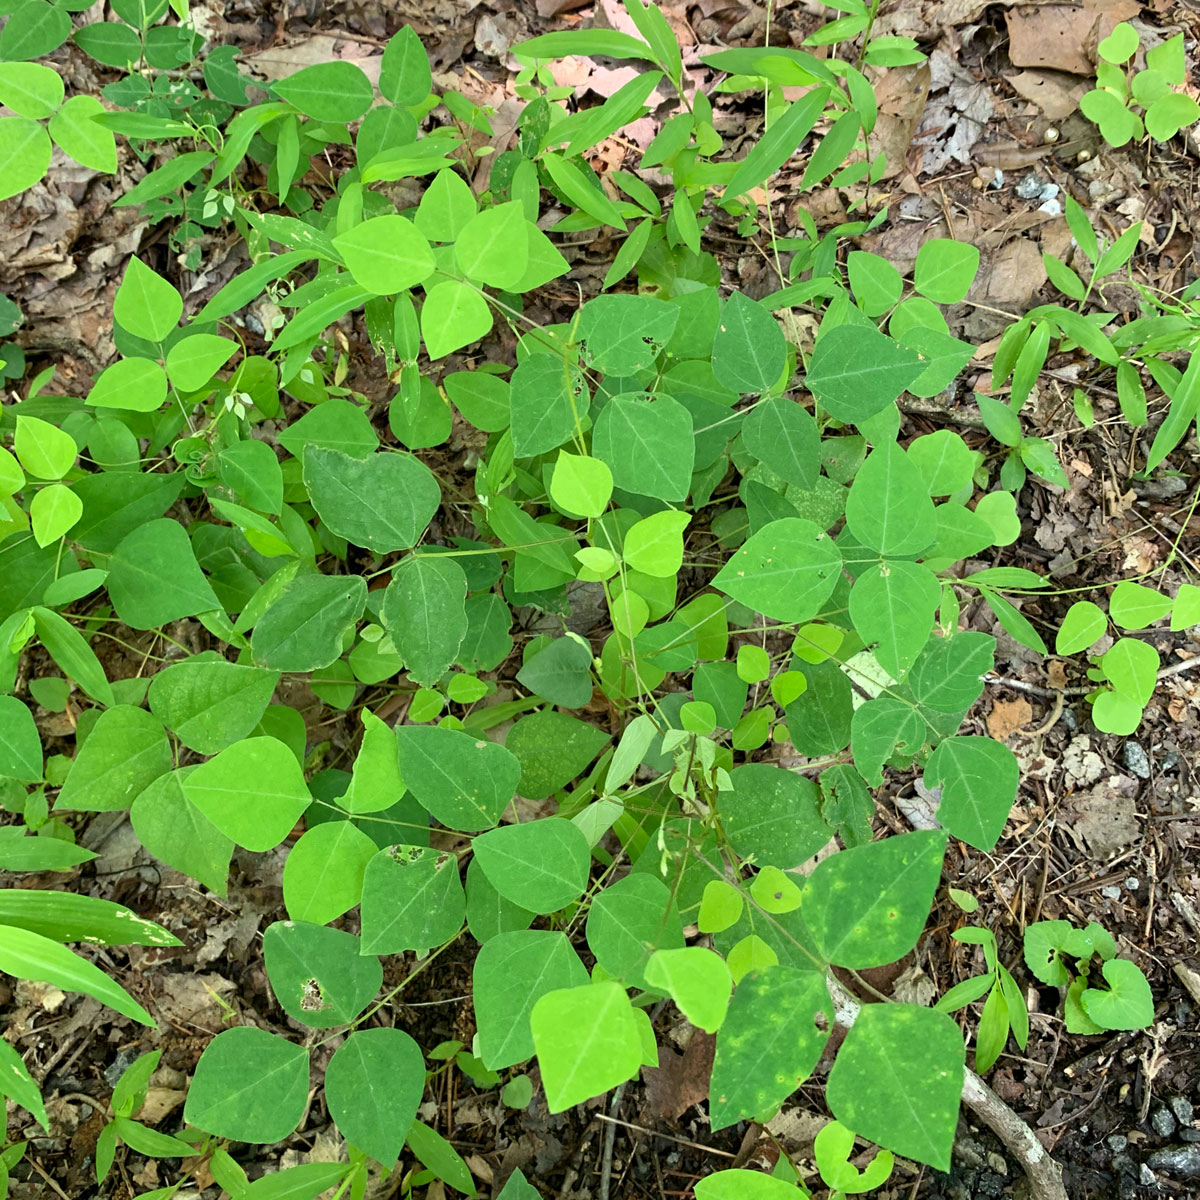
pixel 1105 828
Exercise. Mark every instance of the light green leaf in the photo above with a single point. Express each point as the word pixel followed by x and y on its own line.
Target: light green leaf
pixel 777 1026
pixel 581 486
pixel 654 545
pixel 20 744
pixel 443 1161
pixel 375 783
pixel 447 204
pixel 1186 610
pixel 25 152
pixel 911 1106
pixel 1127 1003
pixel 44 450
pixel 454 315
pixel 492 247
pixel 386 254
pixel 53 511
pixel 67 917
pixel 1131 667
pixel 323 875
pixel 787 570
pixel 18 1085
pixel 876 284
pixel 778 144
pixel 28 955
pixel 404 75
pixel 193 361
pixel 944 460
pixel 133 384
pixel 1134 606
pixel 548 402
pixel 78 135
pixel 210 703
pixel 948 676
pixel 945 270
pixel 697 980
pixel 30 89
pixel 145 304
pixel 737 1184
pixel 249 1086
pixel 587 1041
pixel 253 792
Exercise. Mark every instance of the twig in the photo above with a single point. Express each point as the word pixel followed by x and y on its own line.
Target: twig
pixel 655 1133
pixel 610 1136
pixel 1045 1175
pixel 1045 693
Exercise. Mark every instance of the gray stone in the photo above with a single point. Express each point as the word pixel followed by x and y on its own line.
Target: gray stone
pixel 1146 1177
pixel 1181 1162
pixel 1117 1142
pixel 1182 1108
pixel 1162 1121
pixel 1189 1135
pixel 1137 760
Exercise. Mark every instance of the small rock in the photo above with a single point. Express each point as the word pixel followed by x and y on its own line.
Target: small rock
pixel 1182 1108
pixel 1162 1121
pixel 997 1163
pixel 1147 1177
pixel 1183 1162
pixel 1137 760
pixel 1051 207
pixel 116 1068
pixel 1112 892
pixel 1132 883
pixel 1117 1142
pixel 990 1184
pixel 1030 188
pixel 1189 1135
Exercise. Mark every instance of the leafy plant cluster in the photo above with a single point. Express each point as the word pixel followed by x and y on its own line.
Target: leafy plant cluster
pixel 774 567
pixel 1128 103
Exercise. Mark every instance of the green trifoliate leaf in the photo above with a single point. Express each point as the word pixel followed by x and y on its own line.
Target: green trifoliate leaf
pixel 145 304
pixel 323 875
pixel 424 610
pixel 648 443
pixel 978 777
pixel 386 254
pixel 153 577
pixel 787 570
pixel 304 627
pixel 317 974
pixel 126 751
pixel 623 334
pixel 382 502
pixel 894 604
pixel 539 865
pixel 580 486
pixel 911 1106
pixel 1127 1003
pixel 249 1086
pixel 412 899
pixel 1082 627
pixel 332 91
pixel 628 921
pixel 174 830
pixel 948 675
pixel 749 352
pixel 697 980
pixel 888 508
pixel 772 815
pixel 783 436
pixel 373 1086
pixel 856 372
pixel 868 905
pixel 512 972
pixel 945 270
pixel 462 781
pixel 1134 606
pixel 777 1026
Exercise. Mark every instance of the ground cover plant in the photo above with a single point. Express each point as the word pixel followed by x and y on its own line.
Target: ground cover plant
pixel 601 815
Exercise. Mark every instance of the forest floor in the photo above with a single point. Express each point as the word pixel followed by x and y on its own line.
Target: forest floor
pixel 1106 828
